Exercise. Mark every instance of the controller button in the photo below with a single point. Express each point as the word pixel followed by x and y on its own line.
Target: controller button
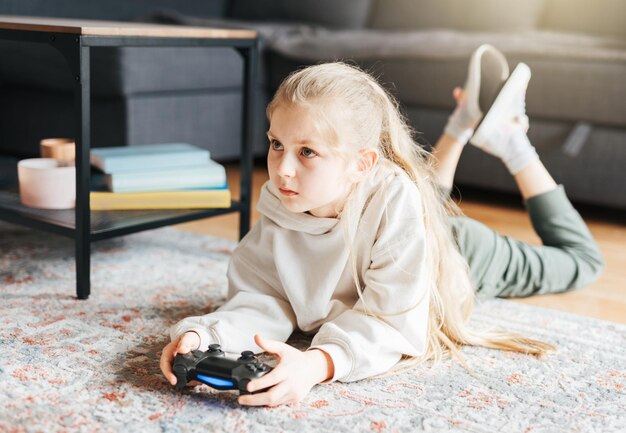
pixel 215 348
pixel 247 356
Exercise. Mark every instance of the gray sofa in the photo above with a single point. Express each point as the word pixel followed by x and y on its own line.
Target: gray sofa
pixel 576 100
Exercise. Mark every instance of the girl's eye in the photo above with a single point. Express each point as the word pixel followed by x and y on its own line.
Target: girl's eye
pixel 308 153
pixel 275 144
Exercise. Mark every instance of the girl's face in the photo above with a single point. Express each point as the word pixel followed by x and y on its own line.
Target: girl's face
pixel 308 174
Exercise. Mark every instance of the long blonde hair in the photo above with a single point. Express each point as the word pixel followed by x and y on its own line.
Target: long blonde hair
pixel 379 124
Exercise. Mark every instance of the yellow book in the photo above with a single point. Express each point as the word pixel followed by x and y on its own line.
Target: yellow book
pixel 180 199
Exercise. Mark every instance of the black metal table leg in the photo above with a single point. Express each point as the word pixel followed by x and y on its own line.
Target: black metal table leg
pixel 249 55
pixel 77 56
pixel 83 144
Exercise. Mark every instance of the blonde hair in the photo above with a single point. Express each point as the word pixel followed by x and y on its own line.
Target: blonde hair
pixel 378 123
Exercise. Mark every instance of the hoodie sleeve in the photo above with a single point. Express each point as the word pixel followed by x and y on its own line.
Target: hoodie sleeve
pixel 254 306
pixel 391 317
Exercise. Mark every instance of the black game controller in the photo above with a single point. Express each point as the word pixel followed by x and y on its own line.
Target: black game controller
pixel 214 369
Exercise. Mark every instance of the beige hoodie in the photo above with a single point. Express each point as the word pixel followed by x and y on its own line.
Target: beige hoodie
pixel 292 270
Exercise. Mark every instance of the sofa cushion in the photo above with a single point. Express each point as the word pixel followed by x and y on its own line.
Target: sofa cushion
pixel 211 121
pixel 473 15
pixel 599 17
pixel 575 77
pixel 123 71
pixel 346 14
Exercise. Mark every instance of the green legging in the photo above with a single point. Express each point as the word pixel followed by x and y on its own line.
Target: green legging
pixel 503 267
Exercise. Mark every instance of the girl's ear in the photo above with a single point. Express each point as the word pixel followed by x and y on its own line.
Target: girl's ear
pixel 366 162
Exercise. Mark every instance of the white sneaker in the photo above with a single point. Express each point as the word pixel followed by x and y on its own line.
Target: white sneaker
pixel 486 73
pixel 508 105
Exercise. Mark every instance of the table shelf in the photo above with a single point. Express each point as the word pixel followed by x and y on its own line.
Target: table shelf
pixel 104 224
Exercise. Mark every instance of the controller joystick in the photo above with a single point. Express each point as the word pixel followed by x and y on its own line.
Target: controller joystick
pixel 247 356
pixel 215 349
pixel 214 369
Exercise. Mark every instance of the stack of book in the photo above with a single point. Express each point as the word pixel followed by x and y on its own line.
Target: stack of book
pixel 159 176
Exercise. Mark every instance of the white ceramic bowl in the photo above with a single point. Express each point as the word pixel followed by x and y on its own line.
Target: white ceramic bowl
pixel 44 184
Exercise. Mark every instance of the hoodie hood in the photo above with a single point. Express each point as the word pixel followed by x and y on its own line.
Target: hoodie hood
pixel 269 205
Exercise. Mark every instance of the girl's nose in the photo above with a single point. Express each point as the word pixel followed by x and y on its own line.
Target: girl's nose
pixel 286 167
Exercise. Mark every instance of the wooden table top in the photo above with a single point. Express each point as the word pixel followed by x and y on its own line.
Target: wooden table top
pixel 118 28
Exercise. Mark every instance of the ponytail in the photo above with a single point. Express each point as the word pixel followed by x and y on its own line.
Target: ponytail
pixel 452 295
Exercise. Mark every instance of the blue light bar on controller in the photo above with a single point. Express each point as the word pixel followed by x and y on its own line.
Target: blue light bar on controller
pixel 214 381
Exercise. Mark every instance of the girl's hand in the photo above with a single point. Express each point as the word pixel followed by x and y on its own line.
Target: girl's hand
pixel 186 343
pixel 292 379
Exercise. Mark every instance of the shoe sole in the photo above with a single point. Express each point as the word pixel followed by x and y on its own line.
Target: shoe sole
pixel 520 75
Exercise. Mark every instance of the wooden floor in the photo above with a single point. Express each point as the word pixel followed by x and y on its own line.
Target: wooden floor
pixel 605 299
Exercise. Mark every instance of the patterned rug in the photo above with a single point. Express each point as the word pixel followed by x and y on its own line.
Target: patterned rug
pixel 92 366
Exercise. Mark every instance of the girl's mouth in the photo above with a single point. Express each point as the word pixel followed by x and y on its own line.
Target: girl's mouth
pixel 287 192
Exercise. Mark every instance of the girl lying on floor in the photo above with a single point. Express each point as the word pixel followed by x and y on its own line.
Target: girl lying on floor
pixel 360 245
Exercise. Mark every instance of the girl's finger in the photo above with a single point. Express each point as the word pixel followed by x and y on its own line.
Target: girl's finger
pixel 187 343
pixel 183 348
pixel 270 346
pixel 166 364
pixel 273 397
pixel 272 378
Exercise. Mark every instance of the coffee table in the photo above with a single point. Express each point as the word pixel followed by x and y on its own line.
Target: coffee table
pixel 74 39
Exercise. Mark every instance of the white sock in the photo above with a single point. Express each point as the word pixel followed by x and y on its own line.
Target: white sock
pixel 510 143
pixel 521 153
pixel 461 123
pixel 459 133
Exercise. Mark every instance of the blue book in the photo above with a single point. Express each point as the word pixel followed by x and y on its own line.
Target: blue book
pixel 206 175
pixel 150 156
